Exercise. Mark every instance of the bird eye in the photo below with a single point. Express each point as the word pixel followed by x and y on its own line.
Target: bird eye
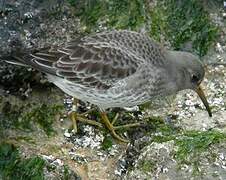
pixel 194 78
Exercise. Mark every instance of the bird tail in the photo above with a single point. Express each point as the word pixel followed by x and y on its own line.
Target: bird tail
pixel 31 59
pixel 19 59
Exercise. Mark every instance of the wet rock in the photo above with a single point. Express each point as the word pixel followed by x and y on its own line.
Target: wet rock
pixel 153 162
pixel 157 161
pixel 56 169
pixel 28 25
pixel 89 138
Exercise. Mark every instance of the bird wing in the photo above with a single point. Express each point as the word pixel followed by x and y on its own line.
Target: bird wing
pixel 94 63
pixel 139 44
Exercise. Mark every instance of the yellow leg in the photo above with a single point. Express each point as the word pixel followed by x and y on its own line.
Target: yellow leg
pixel 73 116
pixel 123 126
pixel 87 121
pixel 127 126
pixel 111 128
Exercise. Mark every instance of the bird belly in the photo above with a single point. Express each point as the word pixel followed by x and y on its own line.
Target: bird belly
pixel 102 98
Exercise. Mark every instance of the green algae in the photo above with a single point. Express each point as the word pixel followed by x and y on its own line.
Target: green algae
pixel 147 166
pixel 13 166
pixel 113 14
pixel 26 117
pixel 189 145
pixel 187 21
pixel 192 143
pixel 165 131
pixel 107 143
pixel 66 173
pixel 44 116
pixel 182 23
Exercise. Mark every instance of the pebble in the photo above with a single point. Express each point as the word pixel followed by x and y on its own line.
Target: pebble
pixel 67 134
pixel 58 162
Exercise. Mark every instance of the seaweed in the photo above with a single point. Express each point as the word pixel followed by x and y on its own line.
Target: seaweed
pixel 184 23
pixel 12 166
pixel 25 118
pixel 179 22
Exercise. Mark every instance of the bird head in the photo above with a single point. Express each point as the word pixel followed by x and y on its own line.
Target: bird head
pixel 188 72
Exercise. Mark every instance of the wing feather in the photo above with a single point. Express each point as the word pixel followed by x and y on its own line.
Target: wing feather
pixel 97 61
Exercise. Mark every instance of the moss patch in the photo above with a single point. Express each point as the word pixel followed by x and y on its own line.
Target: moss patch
pixel 180 22
pixel 107 142
pixel 147 166
pixel 160 131
pixel 190 145
pixel 66 173
pixel 44 116
pixel 117 14
pixel 184 22
pixel 12 166
pixel 22 118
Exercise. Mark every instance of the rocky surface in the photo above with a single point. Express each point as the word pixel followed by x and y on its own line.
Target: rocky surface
pixel 177 140
pixel 34 24
pixel 29 25
pixel 157 159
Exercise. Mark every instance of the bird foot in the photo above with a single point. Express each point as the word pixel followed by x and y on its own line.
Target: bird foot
pixel 75 117
pixel 127 126
pixel 113 128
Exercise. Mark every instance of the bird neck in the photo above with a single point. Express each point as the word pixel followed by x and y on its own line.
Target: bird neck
pixel 174 57
pixel 176 70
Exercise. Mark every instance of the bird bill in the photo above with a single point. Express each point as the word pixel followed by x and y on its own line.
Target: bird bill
pixel 202 96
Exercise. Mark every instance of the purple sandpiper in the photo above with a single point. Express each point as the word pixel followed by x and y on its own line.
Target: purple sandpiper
pixel 117 69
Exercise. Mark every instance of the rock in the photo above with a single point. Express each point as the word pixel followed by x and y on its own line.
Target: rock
pixel 67 134
pixel 153 162
pixel 157 161
pixel 34 24
pixel 28 25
